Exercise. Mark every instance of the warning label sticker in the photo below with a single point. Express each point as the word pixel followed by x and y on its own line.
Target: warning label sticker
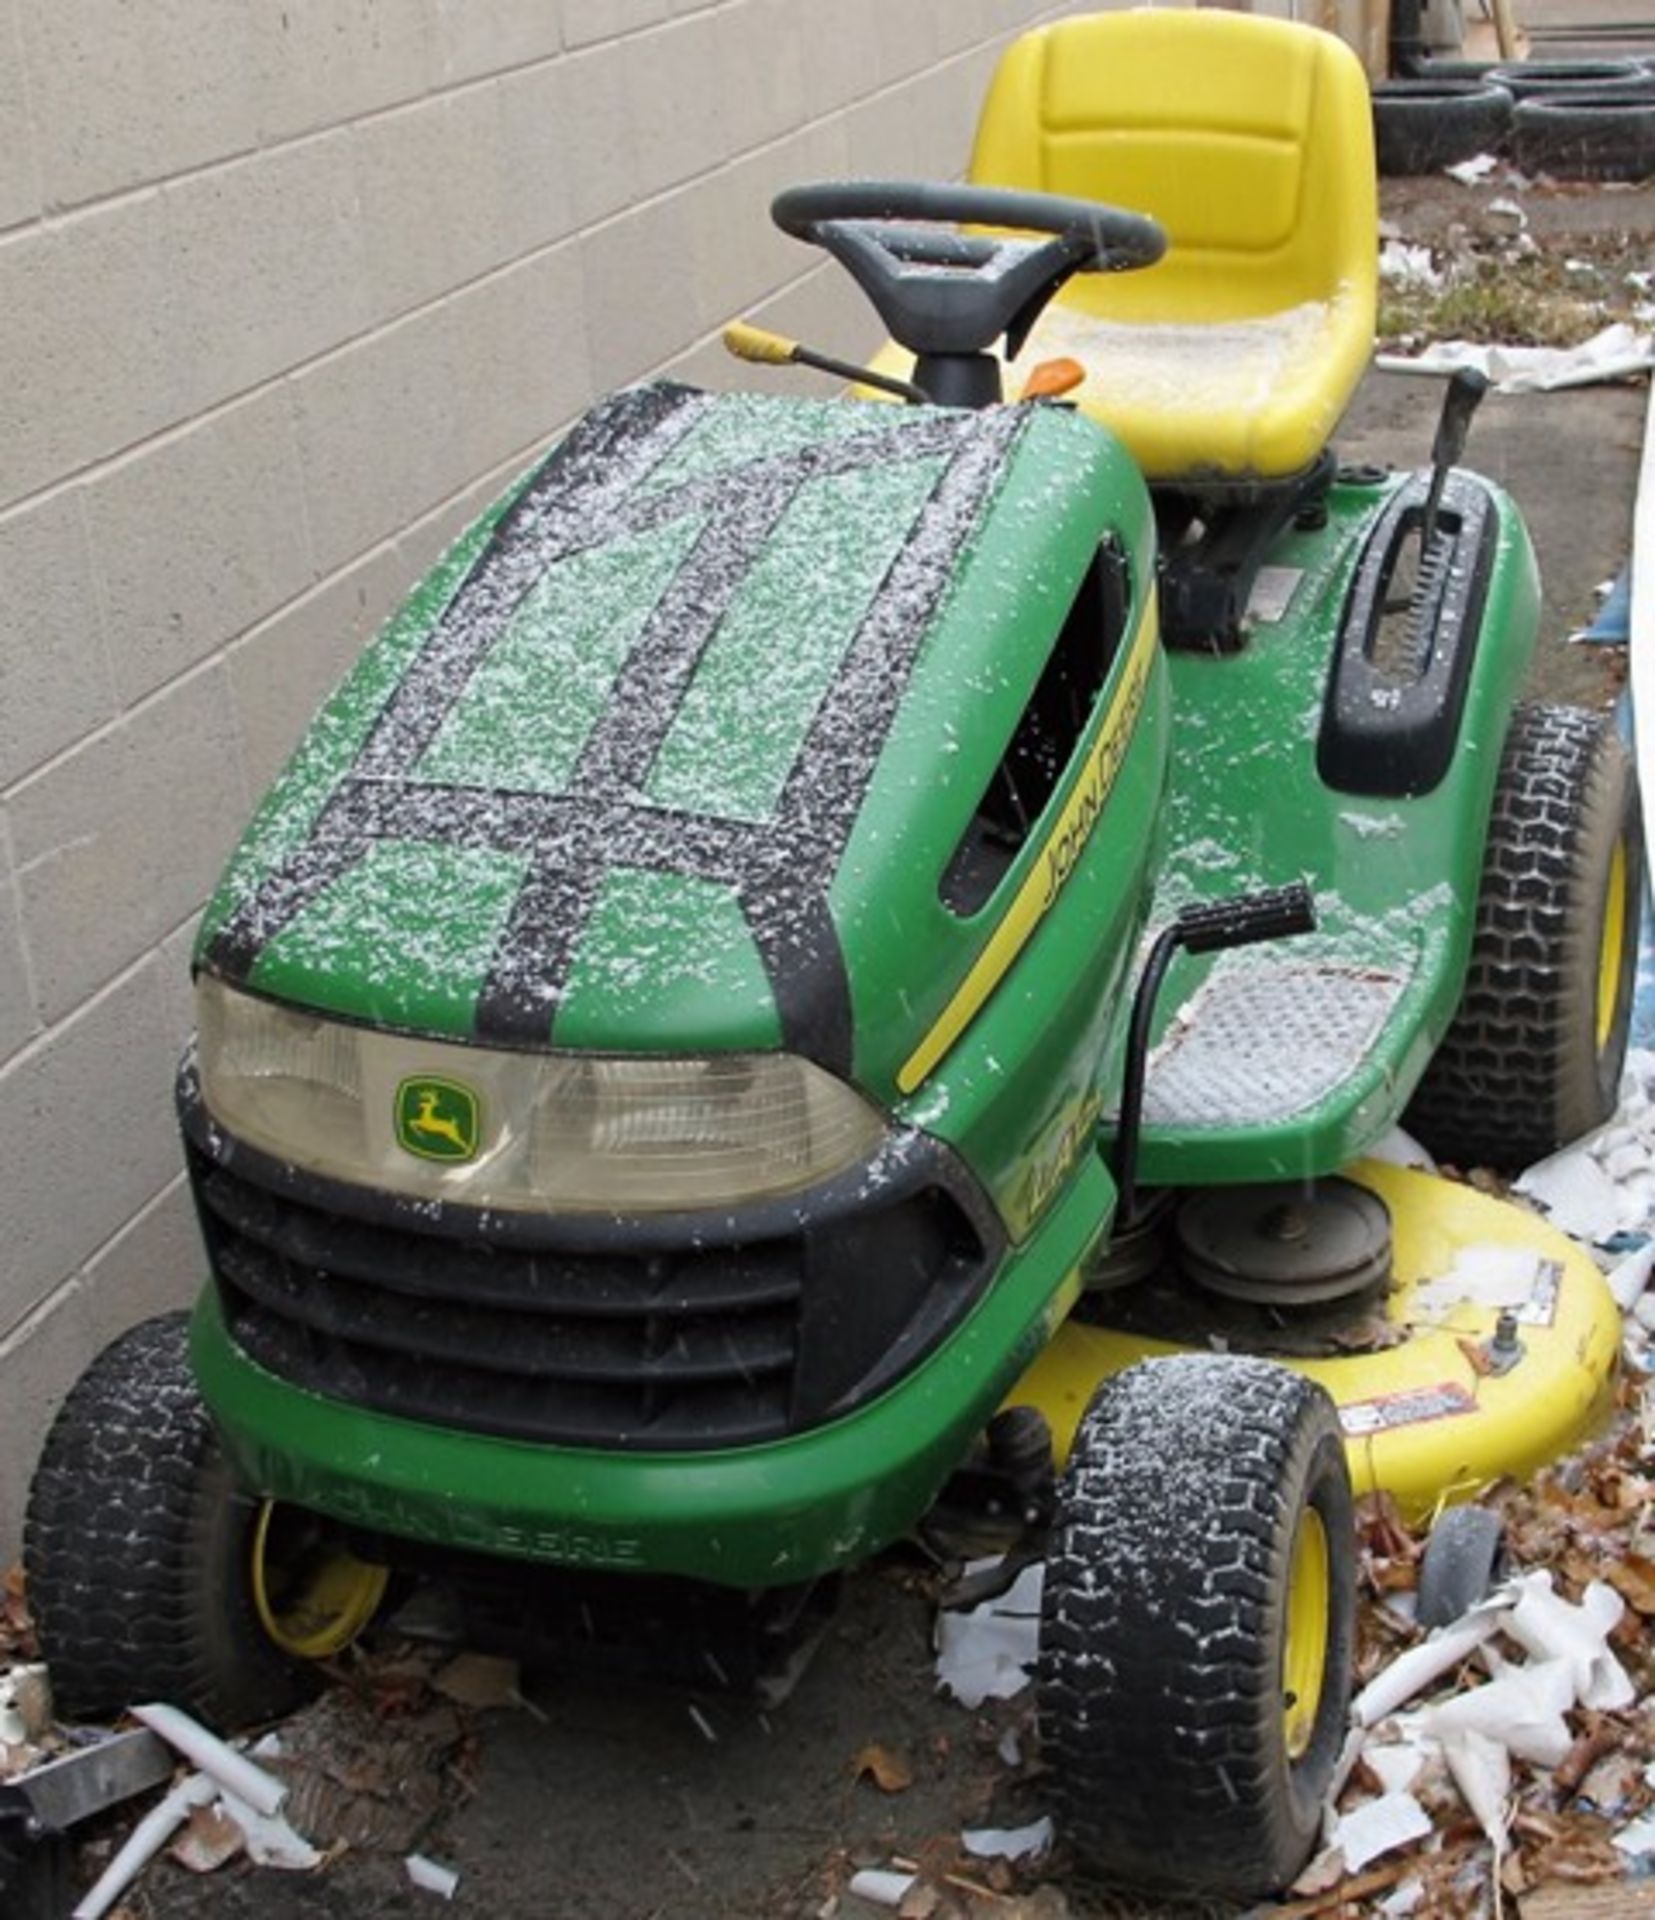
pixel 1408 1409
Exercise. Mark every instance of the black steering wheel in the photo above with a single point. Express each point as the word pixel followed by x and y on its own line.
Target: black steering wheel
pixel 945 293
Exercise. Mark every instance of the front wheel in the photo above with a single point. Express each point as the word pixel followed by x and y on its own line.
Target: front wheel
pixel 1198 1624
pixel 152 1576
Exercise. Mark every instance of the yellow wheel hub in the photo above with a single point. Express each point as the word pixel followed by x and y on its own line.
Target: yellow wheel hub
pixel 1612 946
pixel 1304 1654
pixel 312 1596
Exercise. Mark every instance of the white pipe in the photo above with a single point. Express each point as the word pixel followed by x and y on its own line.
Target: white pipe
pixel 231 1770
pixel 144 1842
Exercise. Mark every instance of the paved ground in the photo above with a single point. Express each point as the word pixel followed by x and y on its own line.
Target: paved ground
pixel 618 1803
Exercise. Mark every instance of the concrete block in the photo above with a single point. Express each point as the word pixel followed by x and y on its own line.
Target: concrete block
pixel 567 152
pixel 740 255
pixel 20 187
pixel 640 304
pixel 687 113
pixel 55 682
pixel 761 74
pixel 584 106
pixel 881 132
pixel 904 38
pixel 266 265
pixel 837 54
pixel 127 94
pixel 18 1020
pixel 282 670
pixel 90 1106
pixel 432 188
pixel 587 21
pixel 152 1265
pixel 228 545
pixel 117 841
pixel 475 37
pixel 519 356
pixel 379 435
pixel 40 1361
pixel 328 61
pixel 84 341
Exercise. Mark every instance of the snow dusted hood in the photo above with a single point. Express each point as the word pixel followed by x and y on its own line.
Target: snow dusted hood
pixel 671 752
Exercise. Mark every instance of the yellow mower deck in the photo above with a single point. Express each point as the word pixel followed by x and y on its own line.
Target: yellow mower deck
pixel 1422 1419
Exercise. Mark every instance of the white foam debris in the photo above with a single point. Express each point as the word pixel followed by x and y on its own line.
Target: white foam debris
pixel 1611 354
pixel 1523 1710
pixel 1490 1276
pixel 1407 265
pixel 1548 1627
pixel 1009 1843
pixel 881 1886
pixel 431 1876
pixel 1470 172
pixel 989 1652
pixel 1412 1672
pixel 1380 1826
pixel 1603 1187
pixel 1481 1768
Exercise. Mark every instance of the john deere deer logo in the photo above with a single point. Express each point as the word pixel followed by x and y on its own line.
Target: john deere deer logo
pixel 437 1119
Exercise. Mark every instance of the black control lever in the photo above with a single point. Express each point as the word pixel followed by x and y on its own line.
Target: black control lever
pixel 1464 396
pixel 1278 913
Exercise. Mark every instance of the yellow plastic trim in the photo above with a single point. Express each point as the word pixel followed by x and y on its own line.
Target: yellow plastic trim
pixel 1251 141
pixel 1612 947
pixel 759 344
pixel 311 1596
pixel 1512 1423
pixel 1055 861
pixel 1304 1650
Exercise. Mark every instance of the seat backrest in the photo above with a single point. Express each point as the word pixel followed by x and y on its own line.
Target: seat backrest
pixel 1250 140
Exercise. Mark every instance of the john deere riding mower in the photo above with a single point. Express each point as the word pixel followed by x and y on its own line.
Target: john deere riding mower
pixel 839 955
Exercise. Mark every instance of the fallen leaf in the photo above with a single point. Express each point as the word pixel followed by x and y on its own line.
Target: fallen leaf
pixel 480 1680
pixel 207 1840
pixel 1633 1577
pixel 890 1772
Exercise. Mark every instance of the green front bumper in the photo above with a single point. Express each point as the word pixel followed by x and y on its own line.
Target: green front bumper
pixel 746 1517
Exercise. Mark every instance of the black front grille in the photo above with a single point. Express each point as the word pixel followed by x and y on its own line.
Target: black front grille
pixel 640 1346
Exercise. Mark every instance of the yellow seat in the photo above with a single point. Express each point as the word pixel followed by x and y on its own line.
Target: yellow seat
pixel 1251 141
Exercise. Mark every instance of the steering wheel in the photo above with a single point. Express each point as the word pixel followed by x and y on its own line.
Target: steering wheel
pixel 943 292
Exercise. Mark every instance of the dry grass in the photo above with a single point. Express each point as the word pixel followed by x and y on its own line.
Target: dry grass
pixel 1553 295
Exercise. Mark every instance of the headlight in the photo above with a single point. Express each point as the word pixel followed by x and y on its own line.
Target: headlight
pixel 543 1132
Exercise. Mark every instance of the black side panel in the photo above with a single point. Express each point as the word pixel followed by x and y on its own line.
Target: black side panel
pixel 1403 656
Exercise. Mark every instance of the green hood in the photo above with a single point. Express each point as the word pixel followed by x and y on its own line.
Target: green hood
pixel 672 751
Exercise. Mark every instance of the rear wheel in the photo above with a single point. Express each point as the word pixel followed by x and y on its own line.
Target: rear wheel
pixel 1197 1626
pixel 1534 1053
pixel 152 1576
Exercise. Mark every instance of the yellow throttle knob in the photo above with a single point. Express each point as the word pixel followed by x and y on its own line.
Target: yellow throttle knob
pixel 748 342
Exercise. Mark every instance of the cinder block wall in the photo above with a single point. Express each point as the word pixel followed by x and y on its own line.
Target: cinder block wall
pixel 288 288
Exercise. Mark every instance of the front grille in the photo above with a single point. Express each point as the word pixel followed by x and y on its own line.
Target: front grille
pixel 679 1346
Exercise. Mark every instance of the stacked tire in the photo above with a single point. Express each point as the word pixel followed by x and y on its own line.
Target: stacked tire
pixel 1571 119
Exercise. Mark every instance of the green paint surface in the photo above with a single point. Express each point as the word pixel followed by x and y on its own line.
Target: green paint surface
pixel 742 427
pixel 780 645
pixel 287 814
pixel 403 939
pixel 664 958
pixel 546 681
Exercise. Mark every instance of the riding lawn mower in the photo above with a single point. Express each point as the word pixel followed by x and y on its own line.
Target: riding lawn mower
pixel 836 972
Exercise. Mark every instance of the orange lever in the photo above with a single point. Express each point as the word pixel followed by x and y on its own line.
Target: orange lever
pixel 1053 377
